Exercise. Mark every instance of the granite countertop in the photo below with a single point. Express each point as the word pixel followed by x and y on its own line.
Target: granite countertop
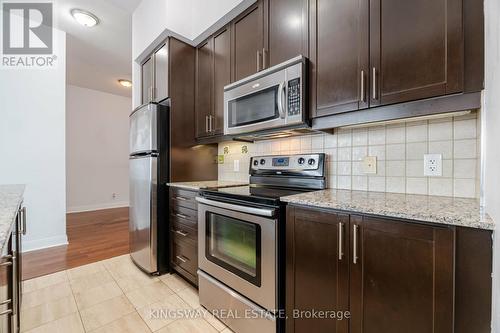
pixel 196 186
pixel 11 197
pixel 433 209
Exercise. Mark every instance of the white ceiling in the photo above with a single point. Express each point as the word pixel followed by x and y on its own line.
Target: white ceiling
pixel 97 57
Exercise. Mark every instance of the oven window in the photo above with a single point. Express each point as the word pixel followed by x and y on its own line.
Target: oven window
pixel 234 245
pixel 254 108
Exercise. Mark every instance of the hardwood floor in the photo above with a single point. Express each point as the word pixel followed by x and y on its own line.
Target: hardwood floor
pixel 92 236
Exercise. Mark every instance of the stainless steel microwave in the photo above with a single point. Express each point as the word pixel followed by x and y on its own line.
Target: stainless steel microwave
pixel 272 99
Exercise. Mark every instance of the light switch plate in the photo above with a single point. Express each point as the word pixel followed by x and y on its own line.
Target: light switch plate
pixel 433 165
pixel 236 165
pixel 370 165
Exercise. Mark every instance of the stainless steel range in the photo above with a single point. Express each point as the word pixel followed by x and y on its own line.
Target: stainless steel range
pixel 241 234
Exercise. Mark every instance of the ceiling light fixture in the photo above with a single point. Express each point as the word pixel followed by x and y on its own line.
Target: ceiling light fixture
pixel 85 18
pixel 125 83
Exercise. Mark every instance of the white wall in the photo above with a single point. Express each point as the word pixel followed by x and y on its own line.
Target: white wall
pixel 32 145
pixel 188 20
pixel 491 152
pixel 96 149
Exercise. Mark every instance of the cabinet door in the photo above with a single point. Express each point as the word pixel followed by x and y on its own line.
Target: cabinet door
pixel 147 80
pixel 222 76
pixel 402 277
pixel 248 42
pixel 287 30
pixel 316 273
pixel 339 56
pixel 416 49
pixel 203 92
pixel 161 73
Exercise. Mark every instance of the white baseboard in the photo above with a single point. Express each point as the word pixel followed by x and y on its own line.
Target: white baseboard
pixel 38 244
pixel 89 208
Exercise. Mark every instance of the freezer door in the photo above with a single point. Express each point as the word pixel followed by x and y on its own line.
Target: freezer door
pixel 143 129
pixel 143 212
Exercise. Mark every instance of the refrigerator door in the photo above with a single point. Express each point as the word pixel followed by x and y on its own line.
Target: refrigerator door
pixel 143 129
pixel 143 212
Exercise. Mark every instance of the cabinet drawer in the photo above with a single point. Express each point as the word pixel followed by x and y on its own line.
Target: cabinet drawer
pixel 189 215
pixel 184 255
pixel 184 233
pixel 183 198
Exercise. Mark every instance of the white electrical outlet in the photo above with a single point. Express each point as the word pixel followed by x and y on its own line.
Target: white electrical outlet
pixel 370 165
pixel 433 165
pixel 236 165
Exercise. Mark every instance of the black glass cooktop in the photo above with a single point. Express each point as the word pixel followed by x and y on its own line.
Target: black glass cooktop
pixel 252 193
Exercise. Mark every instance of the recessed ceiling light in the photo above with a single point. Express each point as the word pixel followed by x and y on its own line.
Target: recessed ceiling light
pixel 125 83
pixel 85 18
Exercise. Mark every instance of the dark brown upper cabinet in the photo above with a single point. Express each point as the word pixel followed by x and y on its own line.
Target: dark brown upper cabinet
pixel 403 273
pixel 369 53
pixel 317 273
pixel 154 76
pixel 222 76
pixel 161 73
pixel 203 88
pixel 287 30
pixel 147 81
pixel 213 72
pixel 339 59
pixel 248 42
pixel 416 49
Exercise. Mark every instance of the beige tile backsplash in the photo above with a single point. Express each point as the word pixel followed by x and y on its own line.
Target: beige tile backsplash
pixel 399 149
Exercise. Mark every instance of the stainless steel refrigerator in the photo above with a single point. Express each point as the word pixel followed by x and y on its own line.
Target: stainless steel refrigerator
pixel 162 150
pixel 149 173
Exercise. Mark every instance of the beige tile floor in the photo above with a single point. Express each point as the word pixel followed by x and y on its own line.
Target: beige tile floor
pixel 111 296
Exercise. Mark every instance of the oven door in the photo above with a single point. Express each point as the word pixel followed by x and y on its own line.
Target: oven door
pixel 256 105
pixel 237 246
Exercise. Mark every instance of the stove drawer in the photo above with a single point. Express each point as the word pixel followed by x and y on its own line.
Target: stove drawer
pixel 184 255
pixel 183 198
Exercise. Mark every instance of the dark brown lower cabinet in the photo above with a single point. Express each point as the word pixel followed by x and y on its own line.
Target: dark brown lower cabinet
pixel 391 275
pixel 317 275
pixel 184 233
pixel 401 277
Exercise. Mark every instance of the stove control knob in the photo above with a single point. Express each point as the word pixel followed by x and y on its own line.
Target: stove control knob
pixel 301 160
pixel 262 161
pixel 311 161
pixel 255 162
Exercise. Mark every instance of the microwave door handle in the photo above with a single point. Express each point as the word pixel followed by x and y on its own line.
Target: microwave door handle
pixel 281 94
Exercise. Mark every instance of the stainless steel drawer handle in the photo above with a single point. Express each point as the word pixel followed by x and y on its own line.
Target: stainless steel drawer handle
pixel 6 312
pixel 181 259
pixel 374 83
pixel 181 198
pixel 362 88
pixel 182 216
pixel 24 220
pixel 258 60
pixel 182 233
pixel 7 301
pixel 341 246
pixel 355 244
pixel 8 263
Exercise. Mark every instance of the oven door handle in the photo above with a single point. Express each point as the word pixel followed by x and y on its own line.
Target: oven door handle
pixel 281 93
pixel 238 208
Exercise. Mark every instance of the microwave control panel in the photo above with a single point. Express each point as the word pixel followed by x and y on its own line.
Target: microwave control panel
pixel 294 103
